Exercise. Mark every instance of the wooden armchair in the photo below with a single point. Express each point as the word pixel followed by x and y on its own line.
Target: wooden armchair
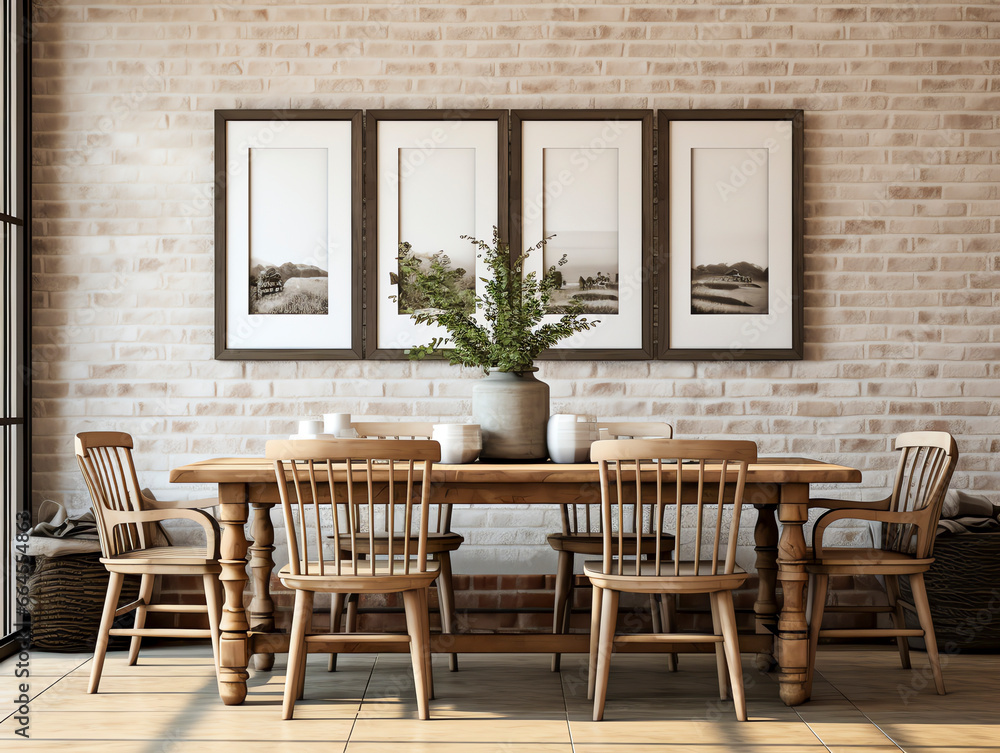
pixel 441 541
pixel 582 534
pixel 355 502
pixel 125 518
pixel 708 494
pixel 909 517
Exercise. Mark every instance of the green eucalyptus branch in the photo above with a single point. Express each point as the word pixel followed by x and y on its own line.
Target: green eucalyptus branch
pixel 508 334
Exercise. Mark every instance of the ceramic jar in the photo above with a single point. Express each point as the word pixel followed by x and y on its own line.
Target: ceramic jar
pixel 569 437
pixel 513 409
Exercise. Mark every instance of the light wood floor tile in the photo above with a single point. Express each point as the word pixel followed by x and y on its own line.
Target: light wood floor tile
pixel 951 749
pixel 508 731
pixel 849 732
pixel 930 734
pixel 248 724
pixel 677 732
pixel 491 747
pixel 696 748
pixel 509 704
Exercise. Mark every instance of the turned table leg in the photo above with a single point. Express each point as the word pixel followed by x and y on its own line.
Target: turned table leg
pixel 766 607
pixel 792 643
pixel 261 565
pixel 234 643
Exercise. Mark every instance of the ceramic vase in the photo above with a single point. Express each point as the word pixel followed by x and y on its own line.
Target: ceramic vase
pixel 513 410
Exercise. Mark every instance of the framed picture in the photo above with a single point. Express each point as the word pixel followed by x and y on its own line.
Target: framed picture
pixel 432 176
pixel 288 264
pixel 730 234
pixel 584 181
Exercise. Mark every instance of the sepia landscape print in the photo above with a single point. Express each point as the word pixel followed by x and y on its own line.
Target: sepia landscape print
pixel 289 255
pixel 437 206
pixel 581 212
pixel 729 243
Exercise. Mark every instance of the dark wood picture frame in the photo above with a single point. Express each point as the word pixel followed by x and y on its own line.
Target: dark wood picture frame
pixel 667 199
pixel 645 350
pixel 222 174
pixel 373 290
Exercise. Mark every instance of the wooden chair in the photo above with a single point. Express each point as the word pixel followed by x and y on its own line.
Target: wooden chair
pixel 307 466
pixel 581 534
pixel 909 518
pixel 702 496
pixel 125 521
pixel 441 541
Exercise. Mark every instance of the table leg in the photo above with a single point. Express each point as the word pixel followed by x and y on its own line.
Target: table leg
pixel 261 565
pixel 234 643
pixel 766 607
pixel 792 642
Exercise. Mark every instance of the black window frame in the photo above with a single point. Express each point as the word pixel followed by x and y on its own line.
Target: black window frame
pixel 15 336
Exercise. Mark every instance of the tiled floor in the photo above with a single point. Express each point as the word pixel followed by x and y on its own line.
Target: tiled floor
pixel 862 703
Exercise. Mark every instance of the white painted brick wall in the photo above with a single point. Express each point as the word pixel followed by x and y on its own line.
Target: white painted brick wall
pixel 902 249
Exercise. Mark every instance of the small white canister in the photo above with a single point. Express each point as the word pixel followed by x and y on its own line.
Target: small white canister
pixel 569 437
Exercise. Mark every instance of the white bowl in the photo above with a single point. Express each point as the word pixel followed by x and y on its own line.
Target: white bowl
pixel 460 429
pixel 312 436
pixel 569 453
pixel 563 419
pixel 460 443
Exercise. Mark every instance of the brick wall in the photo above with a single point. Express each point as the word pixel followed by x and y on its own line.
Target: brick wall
pixel 902 255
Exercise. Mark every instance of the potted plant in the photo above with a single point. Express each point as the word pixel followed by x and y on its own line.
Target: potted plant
pixel 500 331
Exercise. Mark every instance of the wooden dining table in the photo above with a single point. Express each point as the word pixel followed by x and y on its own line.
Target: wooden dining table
pixel 778 487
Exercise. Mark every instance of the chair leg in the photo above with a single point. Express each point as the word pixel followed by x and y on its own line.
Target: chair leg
pixel 655 615
pixel 214 606
pixel 145 596
pixel 668 618
pixel 336 616
pixel 564 577
pixel 419 644
pixel 720 650
pixel 595 637
pixel 425 615
pixel 818 584
pixel 609 619
pixel 352 613
pixel 898 618
pixel 923 607
pixel 727 619
pixel 301 616
pixel 446 603
pixel 300 690
pixel 107 620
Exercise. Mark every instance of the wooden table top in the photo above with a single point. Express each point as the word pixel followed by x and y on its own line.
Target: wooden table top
pixel 769 470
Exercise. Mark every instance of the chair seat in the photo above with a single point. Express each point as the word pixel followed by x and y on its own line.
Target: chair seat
pixel 162 557
pixel 385 579
pixel 687 582
pixel 863 560
pixel 436 543
pixel 593 543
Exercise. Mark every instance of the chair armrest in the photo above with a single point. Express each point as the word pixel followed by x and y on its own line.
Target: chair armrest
pixel 148 503
pixel 879 516
pixel 848 504
pixel 202 518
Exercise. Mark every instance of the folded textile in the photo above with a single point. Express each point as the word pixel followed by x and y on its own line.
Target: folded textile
pixel 967 513
pixel 56 534
pixel 54 522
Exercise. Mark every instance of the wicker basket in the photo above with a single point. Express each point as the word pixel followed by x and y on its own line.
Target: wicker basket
pixel 963 586
pixel 65 598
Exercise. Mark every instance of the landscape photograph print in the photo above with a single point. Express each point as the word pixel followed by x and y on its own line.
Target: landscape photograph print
pixel 581 223
pixel 437 194
pixel 729 231
pixel 289 233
